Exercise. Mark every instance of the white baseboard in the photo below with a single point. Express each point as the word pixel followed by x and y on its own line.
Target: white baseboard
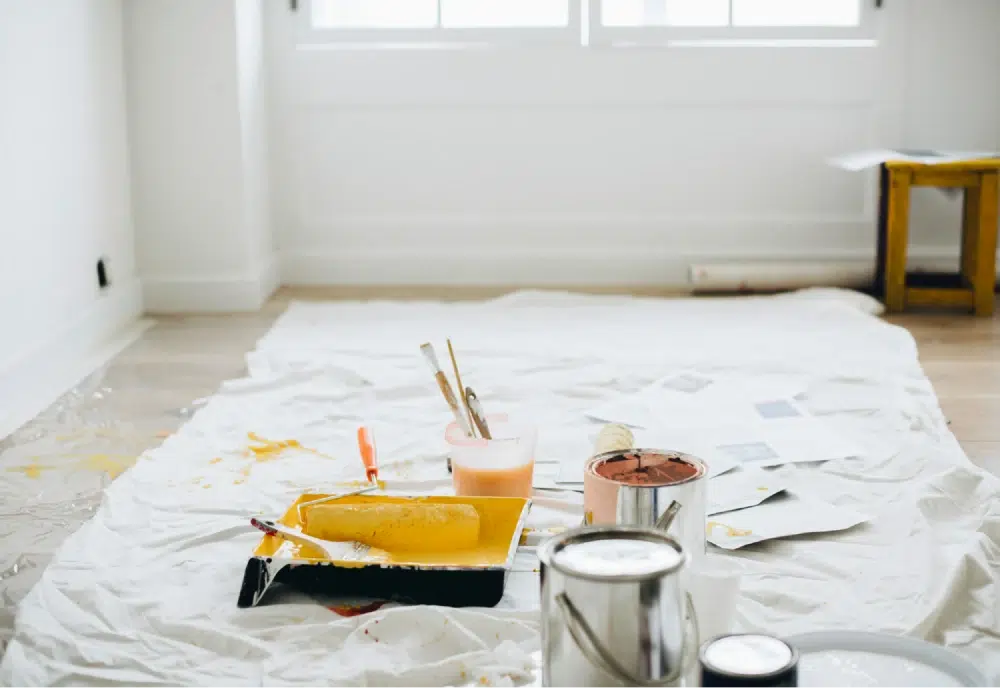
pixel 213 295
pixel 55 366
pixel 555 267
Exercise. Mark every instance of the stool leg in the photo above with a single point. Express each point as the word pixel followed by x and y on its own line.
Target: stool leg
pixel 985 280
pixel 970 234
pixel 897 235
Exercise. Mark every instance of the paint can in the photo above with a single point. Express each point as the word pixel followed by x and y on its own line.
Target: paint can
pixel 650 488
pixel 749 659
pixel 614 612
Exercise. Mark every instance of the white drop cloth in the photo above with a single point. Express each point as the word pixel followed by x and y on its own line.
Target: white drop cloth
pixel 145 592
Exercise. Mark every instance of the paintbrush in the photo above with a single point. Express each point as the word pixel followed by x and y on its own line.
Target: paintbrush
pixel 461 388
pixel 476 409
pixel 449 396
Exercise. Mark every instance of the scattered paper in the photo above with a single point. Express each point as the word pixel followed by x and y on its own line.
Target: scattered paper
pixel 778 518
pixel 780 408
pixel 689 397
pixel 742 489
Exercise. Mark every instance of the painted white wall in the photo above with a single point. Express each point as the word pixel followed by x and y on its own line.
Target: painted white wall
pixel 953 101
pixel 200 181
pixel 64 194
pixel 562 165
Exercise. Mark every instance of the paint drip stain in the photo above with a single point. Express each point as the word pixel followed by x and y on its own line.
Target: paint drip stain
pixel 33 470
pixel 356 609
pixel 269 450
pixel 730 531
pixel 107 463
pixel 217 459
pixel 112 464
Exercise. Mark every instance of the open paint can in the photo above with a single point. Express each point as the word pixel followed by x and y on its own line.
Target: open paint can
pixel 749 659
pixel 650 488
pixel 614 610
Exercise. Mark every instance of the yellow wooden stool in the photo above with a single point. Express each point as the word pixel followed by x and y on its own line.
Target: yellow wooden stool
pixel 978 276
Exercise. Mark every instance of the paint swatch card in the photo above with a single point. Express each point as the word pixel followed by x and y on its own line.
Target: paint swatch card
pixel 742 489
pixel 781 517
pixel 779 408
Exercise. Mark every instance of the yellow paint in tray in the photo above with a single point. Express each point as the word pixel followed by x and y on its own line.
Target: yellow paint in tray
pixel 500 522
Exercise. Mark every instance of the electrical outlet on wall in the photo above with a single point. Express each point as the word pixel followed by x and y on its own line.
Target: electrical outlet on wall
pixel 103 276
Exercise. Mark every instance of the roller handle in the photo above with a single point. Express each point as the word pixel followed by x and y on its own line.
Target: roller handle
pixel 369 457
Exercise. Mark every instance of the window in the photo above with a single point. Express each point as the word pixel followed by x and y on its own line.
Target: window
pixel 733 22
pixel 581 22
pixel 734 13
pixel 439 14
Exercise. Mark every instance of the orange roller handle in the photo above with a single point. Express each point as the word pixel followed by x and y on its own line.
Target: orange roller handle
pixel 369 457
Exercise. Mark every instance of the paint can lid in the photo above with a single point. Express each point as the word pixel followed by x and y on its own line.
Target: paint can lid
pixel 614 553
pixel 748 660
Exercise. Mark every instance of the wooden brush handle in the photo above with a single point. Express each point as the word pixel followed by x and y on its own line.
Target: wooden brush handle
pixel 449 396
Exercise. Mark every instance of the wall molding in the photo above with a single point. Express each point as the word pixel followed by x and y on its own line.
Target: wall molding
pixel 196 294
pixel 37 380
pixel 611 266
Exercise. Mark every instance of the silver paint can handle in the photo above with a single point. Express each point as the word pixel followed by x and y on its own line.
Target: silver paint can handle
pixel 599 656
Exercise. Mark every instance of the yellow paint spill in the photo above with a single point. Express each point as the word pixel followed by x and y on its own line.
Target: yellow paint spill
pixel 217 459
pixel 245 471
pixel 730 532
pixel 239 482
pixel 33 470
pixel 113 465
pixel 271 449
pixel 763 489
pixel 206 486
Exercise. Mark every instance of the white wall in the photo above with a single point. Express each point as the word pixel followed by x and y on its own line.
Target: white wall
pixel 199 154
pixel 64 190
pixel 564 165
pixel 953 99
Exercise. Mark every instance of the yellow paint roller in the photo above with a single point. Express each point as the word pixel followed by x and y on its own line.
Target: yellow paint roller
pixel 396 527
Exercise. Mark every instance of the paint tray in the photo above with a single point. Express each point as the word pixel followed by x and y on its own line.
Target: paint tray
pixel 466 578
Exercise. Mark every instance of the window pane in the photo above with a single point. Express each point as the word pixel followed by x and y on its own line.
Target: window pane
pixel 493 13
pixel 796 12
pixel 374 14
pixel 665 12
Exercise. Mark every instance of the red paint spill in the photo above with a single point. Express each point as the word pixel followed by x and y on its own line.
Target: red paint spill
pixel 356 610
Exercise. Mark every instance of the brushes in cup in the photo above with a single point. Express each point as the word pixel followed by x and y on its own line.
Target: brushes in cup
pixel 461 388
pixel 449 395
pixel 476 411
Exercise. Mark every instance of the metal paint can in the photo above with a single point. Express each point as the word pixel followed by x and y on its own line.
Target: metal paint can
pixel 637 487
pixel 614 612
pixel 749 659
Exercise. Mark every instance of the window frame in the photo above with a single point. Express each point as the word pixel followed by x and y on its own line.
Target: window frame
pixel 306 33
pixel 865 31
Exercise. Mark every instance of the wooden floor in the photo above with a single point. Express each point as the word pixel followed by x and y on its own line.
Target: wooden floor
pixel 961 356
pixel 960 353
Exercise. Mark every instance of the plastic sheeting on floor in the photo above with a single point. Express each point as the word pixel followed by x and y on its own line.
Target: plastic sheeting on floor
pixel 145 592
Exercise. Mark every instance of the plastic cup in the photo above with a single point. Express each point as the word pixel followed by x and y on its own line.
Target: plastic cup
pixel 501 467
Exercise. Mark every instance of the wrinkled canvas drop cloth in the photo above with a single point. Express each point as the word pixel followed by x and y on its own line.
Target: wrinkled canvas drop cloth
pixel 145 592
